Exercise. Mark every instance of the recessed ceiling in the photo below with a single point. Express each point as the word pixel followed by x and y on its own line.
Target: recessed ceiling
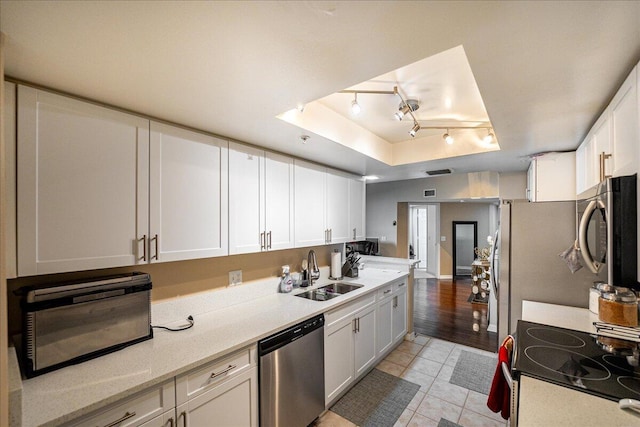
pixel 446 100
pixel 545 70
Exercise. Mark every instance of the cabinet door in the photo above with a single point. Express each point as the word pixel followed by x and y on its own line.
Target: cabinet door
pixel 309 204
pixel 279 205
pixel 531 181
pixel 9 155
pixel 384 327
pixel 364 350
pixel 82 185
pixel 337 222
pixel 581 169
pixel 165 420
pixel 399 314
pixel 246 199
pixel 624 127
pixel 233 403
pixel 602 135
pixel 188 195
pixel 357 209
pixel 338 357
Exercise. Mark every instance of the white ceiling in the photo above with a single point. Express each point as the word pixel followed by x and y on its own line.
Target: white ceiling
pixel 545 70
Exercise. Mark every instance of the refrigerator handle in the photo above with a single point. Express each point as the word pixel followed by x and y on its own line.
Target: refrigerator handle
pixel 492 277
pixel 587 257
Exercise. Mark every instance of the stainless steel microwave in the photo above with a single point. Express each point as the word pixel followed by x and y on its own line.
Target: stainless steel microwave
pixel 70 323
pixel 607 234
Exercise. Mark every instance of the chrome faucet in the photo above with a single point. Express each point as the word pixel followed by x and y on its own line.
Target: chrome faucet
pixel 313 272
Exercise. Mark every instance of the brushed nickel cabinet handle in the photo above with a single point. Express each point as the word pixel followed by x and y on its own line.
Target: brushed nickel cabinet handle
pixel 224 371
pixel 171 422
pixel 269 240
pixel 603 158
pixel 330 235
pixel 184 415
pixel 156 241
pixel 387 291
pixel 125 417
pixel 144 248
pixel 262 244
pixel 401 284
pixel 354 234
pixel 395 301
pixel 354 326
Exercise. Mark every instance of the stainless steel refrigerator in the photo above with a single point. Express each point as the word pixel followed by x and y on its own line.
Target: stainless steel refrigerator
pixel 528 266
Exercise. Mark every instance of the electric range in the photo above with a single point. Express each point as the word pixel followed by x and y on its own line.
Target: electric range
pixel 602 366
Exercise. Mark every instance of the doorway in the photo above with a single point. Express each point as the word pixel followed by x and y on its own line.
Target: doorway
pixel 423 223
pixel 465 240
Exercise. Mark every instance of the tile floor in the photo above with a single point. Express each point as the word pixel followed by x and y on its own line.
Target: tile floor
pixel 429 362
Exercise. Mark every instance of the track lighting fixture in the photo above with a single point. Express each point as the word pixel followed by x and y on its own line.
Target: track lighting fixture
pixel 414 129
pixel 408 106
pixel 448 138
pixel 355 107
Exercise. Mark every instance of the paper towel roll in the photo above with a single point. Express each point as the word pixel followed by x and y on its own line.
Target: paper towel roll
pixel 336 265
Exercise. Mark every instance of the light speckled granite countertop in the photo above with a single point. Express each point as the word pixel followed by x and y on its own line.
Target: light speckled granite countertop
pixel 225 321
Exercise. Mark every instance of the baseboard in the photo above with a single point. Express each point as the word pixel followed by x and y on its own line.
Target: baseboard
pixel 446 277
pixel 410 336
pixel 492 328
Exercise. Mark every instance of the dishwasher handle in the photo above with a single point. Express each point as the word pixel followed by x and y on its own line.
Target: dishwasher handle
pixel 284 337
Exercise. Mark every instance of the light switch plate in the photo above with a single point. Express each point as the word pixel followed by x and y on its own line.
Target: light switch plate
pixel 443 238
pixel 235 277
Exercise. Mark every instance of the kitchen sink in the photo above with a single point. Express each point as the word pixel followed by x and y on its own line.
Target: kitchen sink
pixel 325 293
pixel 340 287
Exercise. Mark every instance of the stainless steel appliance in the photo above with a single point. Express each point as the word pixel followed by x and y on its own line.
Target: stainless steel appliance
pixel 530 238
pixel 593 364
pixel 73 322
pixel 292 375
pixel 608 230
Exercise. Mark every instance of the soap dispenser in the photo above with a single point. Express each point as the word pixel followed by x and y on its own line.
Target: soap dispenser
pixel 286 284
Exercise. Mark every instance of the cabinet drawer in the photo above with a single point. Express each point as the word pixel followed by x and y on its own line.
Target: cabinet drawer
pixel 134 410
pixel 385 292
pixel 211 374
pixel 348 309
pixel 398 286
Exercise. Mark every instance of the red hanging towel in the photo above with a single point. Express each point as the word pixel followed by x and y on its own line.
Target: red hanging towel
pixel 500 393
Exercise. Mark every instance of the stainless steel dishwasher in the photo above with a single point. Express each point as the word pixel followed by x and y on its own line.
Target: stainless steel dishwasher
pixel 292 375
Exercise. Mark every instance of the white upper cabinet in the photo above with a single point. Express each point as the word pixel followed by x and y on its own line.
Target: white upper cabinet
pixel 260 200
pixel 188 195
pixel 10 174
pixel 611 147
pixel 552 177
pixel 279 205
pixel 82 185
pixel 310 189
pixel 337 205
pixel 328 205
pixel 357 206
pixel 625 135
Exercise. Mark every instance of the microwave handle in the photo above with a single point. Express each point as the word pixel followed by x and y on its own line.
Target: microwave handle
pixel 582 236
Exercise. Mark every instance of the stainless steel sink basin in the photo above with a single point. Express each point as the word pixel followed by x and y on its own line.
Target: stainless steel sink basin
pixel 327 292
pixel 340 287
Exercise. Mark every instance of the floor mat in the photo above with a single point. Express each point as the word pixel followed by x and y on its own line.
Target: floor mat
pixel 474 371
pixel 377 400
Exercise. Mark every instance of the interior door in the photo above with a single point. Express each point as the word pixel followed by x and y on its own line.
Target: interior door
pixel 465 240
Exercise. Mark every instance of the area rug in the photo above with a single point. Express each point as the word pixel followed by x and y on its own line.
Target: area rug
pixel 446 423
pixel 474 371
pixel 377 400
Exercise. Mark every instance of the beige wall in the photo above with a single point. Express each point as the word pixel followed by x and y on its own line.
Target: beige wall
pixel 4 383
pixel 450 212
pixel 174 279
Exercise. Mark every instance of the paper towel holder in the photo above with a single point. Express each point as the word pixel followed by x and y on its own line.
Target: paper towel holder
pixel 331 277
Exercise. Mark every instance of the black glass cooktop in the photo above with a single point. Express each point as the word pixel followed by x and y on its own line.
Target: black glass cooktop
pixel 603 366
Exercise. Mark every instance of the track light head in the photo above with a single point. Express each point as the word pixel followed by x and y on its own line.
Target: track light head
pixel 405 107
pixel 414 130
pixel 355 107
pixel 448 138
pixel 489 138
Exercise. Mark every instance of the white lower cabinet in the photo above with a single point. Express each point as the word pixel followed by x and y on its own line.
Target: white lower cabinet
pixel 384 324
pixel 147 408
pixel 224 392
pixel 399 308
pixel 364 348
pixel 232 403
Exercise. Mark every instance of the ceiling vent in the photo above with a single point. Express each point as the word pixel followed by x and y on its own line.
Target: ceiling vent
pixel 429 193
pixel 438 172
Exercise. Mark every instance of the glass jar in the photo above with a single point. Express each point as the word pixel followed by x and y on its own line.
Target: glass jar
pixel 594 294
pixel 619 307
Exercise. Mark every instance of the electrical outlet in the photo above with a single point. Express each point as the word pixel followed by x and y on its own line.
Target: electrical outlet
pixel 235 277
